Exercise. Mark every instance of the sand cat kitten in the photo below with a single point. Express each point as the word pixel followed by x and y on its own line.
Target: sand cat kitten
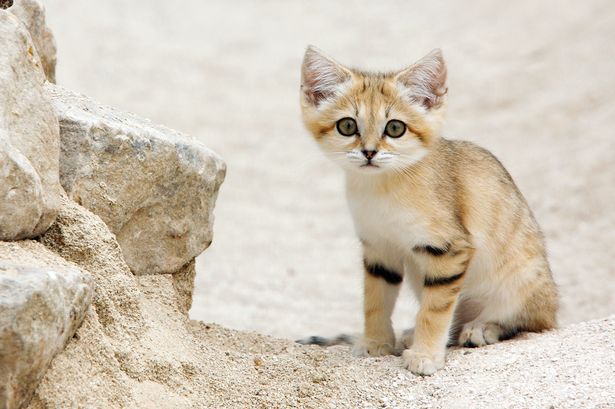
pixel 443 214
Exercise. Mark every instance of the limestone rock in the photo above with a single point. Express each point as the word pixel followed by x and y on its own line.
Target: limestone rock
pixel 29 138
pixel 43 300
pixel 32 15
pixel 155 188
pixel 21 206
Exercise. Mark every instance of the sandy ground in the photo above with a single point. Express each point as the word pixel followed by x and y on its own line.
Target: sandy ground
pixel 532 81
pixel 136 348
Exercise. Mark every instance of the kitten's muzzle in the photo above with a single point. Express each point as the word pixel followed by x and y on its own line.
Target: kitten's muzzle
pixel 369 154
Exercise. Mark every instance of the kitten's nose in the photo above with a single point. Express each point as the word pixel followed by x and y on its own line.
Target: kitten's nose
pixel 369 154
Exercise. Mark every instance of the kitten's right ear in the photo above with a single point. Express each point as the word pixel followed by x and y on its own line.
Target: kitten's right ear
pixel 425 80
pixel 321 76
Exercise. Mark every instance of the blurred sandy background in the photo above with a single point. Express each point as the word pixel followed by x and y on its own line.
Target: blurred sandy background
pixel 533 81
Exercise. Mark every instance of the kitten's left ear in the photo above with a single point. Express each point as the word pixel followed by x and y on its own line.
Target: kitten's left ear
pixel 321 76
pixel 425 80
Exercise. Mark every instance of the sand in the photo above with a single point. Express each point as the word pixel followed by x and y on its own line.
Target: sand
pixel 137 348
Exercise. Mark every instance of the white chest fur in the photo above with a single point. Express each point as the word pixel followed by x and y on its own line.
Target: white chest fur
pixel 383 223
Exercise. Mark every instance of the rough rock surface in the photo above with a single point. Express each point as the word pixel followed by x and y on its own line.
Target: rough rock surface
pixel 29 141
pixel 155 188
pixel 32 15
pixel 138 349
pixel 43 300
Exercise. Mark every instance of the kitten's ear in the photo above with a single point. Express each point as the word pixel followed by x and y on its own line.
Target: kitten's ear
pixel 425 80
pixel 321 76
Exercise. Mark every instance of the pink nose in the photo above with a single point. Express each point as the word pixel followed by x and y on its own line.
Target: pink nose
pixel 369 154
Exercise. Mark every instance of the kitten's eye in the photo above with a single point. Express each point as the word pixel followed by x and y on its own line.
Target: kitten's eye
pixel 347 126
pixel 395 128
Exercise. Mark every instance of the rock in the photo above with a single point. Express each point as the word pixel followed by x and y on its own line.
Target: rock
pixel 32 15
pixel 43 300
pixel 21 204
pixel 155 188
pixel 29 138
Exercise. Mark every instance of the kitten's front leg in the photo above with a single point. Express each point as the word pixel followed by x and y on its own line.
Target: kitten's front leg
pixel 380 292
pixel 445 268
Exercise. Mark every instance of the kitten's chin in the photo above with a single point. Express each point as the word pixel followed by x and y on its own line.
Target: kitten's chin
pixel 366 169
pixel 371 168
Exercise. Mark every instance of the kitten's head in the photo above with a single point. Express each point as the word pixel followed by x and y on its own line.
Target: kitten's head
pixel 372 122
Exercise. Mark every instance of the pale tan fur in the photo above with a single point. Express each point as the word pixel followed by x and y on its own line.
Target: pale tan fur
pixel 443 214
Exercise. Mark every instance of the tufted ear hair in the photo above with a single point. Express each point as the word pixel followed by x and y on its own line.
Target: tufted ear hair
pixel 322 77
pixel 425 80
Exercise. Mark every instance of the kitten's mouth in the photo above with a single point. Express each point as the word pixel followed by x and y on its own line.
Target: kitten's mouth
pixel 369 165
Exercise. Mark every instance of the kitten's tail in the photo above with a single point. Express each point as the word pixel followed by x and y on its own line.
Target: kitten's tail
pixel 342 339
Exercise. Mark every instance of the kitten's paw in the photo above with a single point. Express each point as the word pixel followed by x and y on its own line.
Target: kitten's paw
pixel 366 347
pixel 478 334
pixel 420 363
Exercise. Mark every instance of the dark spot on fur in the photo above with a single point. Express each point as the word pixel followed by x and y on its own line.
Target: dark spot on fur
pixel 437 281
pixel 469 344
pixel 433 250
pixel 378 270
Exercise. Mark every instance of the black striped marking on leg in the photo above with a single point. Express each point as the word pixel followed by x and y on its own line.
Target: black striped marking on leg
pixel 438 281
pixel 378 270
pixel 433 250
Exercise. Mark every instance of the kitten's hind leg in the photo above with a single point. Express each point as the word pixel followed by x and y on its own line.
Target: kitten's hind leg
pixel 477 334
pixel 531 307
pixel 471 330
